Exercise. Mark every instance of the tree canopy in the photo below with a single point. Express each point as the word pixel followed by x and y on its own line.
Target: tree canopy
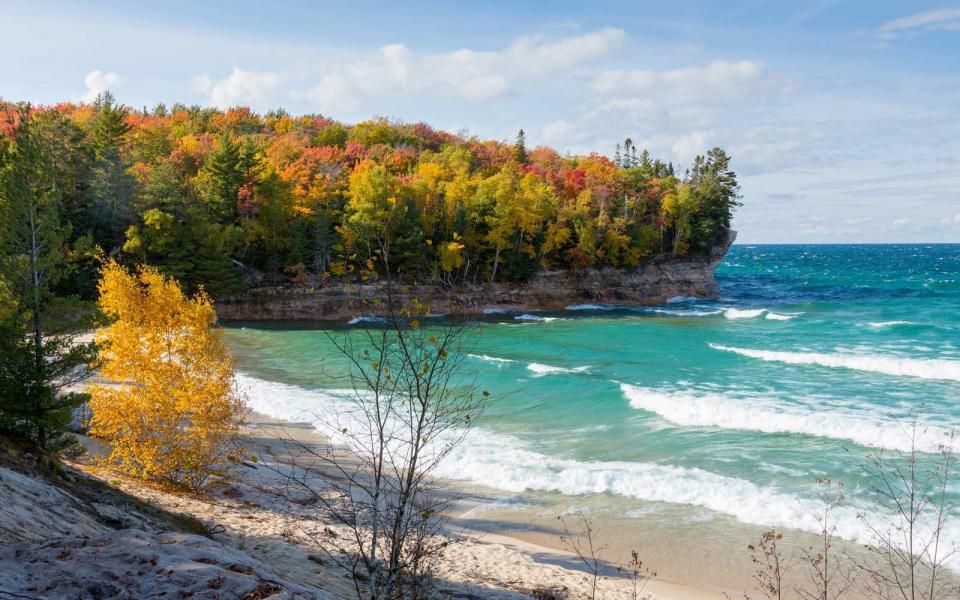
pixel 205 195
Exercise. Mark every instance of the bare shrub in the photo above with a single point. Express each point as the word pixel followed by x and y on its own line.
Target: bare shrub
pixel 580 541
pixel 406 412
pixel 912 491
pixel 639 575
pixel 771 565
pixel 581 545
pixel 829 575
pixel 908 550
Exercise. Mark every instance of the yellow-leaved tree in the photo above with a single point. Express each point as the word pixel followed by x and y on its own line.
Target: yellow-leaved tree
pixel 173 412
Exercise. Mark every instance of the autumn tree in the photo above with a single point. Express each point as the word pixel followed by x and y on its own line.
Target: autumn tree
pixel 206 195
pixel 173 410
pixel 678 210
pixel 372 207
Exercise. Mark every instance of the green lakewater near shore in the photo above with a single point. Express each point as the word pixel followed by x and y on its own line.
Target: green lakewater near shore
pixel 716 411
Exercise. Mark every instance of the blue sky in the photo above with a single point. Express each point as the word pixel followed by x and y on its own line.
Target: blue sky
pixel 843 118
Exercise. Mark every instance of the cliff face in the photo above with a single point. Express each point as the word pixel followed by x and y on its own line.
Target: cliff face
pixel 652 283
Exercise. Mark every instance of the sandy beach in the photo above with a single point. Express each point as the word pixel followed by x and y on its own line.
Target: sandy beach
pixel 253 510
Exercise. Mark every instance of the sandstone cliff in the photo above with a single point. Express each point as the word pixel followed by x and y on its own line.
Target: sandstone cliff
pixel 652 283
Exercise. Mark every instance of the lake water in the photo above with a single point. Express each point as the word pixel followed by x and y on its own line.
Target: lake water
pixel 726 410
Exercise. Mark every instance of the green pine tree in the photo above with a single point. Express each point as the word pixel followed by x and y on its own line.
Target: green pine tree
pixel 520 148
pixel 41 358
pixel 112 185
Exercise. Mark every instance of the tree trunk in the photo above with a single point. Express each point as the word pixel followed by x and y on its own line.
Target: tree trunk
pixel 496 263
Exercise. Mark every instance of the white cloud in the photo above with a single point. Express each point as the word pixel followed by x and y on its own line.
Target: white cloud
pixel 346 84
pixel 941 18
pixel 462 74
pixel 99 81
pixel 675 113
pixel 239 88
pixel 719 78
pixel 689 145
pixel 901 222
pixel 201 83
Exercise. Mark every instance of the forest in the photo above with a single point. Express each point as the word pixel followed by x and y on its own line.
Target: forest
pixel 220 198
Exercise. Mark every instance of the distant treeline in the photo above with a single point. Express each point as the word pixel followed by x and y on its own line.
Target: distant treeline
pixel 202 194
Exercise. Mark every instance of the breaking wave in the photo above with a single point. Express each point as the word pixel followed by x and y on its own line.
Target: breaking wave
pixel 923 368
pixel 694 408
pixel 540 370
pixel 510 464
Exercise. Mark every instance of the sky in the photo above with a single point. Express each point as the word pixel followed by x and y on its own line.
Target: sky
pixel 842 117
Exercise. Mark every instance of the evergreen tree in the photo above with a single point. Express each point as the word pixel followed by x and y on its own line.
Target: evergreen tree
pixel 407 256
pixel 112 185
pixel 617 160
pixel 645 162
pixel 629 154
pixel 40 357
pixel 110 125
pixel 225 166
pixel 186 246
pixel 719 194
pixel 520 148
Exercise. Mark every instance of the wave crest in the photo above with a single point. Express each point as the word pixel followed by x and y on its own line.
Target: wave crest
pixel 540 370
pixel 704 409
pixel 508 463
pixel 590 307
pixel 923 368
pixel 529 317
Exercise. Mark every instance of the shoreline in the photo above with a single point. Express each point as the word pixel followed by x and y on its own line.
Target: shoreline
pixel 498 543
pixel 509 555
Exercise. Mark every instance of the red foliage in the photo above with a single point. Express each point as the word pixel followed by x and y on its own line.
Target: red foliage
pixel 246 202
pixel 432 139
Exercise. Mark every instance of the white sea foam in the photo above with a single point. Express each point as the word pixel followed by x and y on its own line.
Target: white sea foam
pixel 507 463
pixel 494 310
pixel 882 324
pixel 540 370
pixel 679 299
pixel 695 408
pixel 748 313
pixel 679 312
pixel 589 307
pixel 774 316
pixel 366 319
pixel 529 317
pixel 924 368
pixel 510 464
pixel 493 359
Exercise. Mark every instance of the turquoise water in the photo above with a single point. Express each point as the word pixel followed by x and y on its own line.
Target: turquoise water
pixel 734 406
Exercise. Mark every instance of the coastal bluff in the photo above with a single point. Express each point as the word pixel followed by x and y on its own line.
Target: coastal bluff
pixel 653 282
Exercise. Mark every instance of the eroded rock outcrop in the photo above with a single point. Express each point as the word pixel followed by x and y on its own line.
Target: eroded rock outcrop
pixel 653 283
